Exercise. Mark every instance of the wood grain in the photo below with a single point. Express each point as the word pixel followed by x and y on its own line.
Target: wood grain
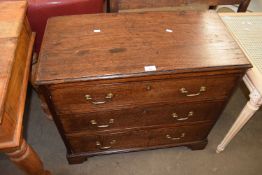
pixel 142 116
pixel 70 98
pixel 177 5
pixel 156 5
pixel 10 27
pixel 27 159
pixel 16 44
pixel 15 92
pixel 78 68
pixel 69 55
pixel 137 138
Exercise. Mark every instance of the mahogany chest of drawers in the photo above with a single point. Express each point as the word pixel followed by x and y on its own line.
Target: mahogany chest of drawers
pixel 127 82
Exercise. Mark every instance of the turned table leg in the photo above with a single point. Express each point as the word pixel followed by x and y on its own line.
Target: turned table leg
pixel 27 160
pixel 249 110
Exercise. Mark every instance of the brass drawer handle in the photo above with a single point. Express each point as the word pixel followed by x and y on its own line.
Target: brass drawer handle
pixel 176 138
pixel 105 147
pixel 94 122
pixel 184 91
pixel 107 97
pixel 174 115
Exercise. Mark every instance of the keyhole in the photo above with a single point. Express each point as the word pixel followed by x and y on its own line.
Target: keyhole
pixel 148 87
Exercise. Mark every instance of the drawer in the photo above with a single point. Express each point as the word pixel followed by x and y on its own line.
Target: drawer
pixel 82 98
pixel 164 114
pixel 138 139
pixel 178 135
pixel 98 143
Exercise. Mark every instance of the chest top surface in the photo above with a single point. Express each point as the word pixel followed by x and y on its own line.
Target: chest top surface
pixel 11 20
pixel 102 46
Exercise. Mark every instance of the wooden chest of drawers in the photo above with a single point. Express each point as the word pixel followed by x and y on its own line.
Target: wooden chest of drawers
pixel 127 82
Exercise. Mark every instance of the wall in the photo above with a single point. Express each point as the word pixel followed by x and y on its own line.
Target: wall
pixel 255 5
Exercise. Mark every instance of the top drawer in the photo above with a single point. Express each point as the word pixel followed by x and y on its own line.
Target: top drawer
pixel 82 97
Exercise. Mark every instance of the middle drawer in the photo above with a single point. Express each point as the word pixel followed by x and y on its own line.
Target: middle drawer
pixel 164 114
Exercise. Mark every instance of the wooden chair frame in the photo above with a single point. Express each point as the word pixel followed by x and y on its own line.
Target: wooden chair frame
pixel 118 5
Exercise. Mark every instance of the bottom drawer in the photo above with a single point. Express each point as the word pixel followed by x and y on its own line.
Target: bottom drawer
pixel 82 143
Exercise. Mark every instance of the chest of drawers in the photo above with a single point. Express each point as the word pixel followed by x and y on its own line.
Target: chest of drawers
pixel 127 82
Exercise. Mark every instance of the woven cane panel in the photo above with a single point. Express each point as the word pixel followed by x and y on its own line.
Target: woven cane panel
pixel 247 30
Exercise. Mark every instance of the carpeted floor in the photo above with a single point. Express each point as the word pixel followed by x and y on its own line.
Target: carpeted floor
pixel 242 157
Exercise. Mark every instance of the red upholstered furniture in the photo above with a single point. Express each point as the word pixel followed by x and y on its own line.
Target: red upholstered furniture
pixel 40 10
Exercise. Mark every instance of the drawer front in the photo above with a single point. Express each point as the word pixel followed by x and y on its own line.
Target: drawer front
pixel 177 135
pixel 99 143
pixel 165 114
pixel 138 139
pixel 82 98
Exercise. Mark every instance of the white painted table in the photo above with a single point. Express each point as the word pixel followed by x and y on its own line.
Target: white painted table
pixel 247 30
